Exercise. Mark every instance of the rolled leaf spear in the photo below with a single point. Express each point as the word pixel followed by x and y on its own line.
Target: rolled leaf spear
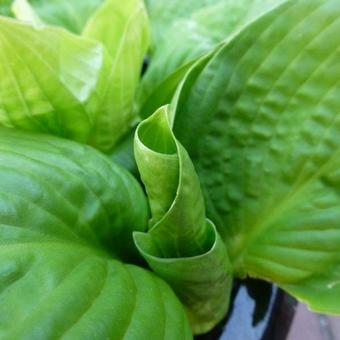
pixel 182 246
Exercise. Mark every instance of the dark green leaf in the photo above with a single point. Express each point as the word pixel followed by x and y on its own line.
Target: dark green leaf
pixel 64 208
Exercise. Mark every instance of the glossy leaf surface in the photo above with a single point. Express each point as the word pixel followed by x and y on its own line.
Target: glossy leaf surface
pixel 68 191
pixel 64 208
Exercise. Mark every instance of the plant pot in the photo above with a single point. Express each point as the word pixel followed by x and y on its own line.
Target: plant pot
pixel 258 311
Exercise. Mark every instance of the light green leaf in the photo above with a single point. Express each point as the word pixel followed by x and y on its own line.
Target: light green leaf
pixel 195 36
pixel 126 41
pixel 72 86
pixel 25 12
pixel 50 80
pixel 261 122
pixel 65 209
pixel 72 15
pixel 182 246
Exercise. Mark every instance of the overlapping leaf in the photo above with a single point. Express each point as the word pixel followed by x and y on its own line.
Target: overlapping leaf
pixel 64 208
pixel 181 246
pixel 261 121
pixel 188 39
pixel 163 13
pixel 50 80
pixel 123 153
pixel 73 15
pixel 72 86
pixel 63 190
pixel 126 41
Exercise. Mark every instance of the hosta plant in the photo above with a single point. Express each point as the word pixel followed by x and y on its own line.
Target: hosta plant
pixel 130 200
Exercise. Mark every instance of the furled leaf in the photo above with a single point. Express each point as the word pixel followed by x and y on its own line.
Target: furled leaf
pixel 195 36
pixel 65 209
pixel 182 246
pixel 261 122
pixel 72 86
pixel 71 14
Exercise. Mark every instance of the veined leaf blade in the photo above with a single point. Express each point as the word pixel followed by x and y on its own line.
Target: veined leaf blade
pixel 72 15
pixel 196 35
pixel 126 42
pixel 265 108
pixel 65 209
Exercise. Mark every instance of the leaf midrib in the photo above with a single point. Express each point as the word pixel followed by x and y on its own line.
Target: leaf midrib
pixel 261 226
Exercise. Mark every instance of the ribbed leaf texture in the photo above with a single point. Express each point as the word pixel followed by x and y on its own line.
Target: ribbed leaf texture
pixel 66 219
pixel 260 120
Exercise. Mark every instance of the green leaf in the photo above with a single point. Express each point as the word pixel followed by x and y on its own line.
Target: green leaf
pixel 68 191
pixel 72 15
pixel 152 94
pixel 64 208
pixel 163 13
pixel 5 8
pixel 55 290
pixel 25 12
pixel 264 127
pixel 181 246
pixel 50 80
pixel 126 41
pixel 72 86
pixel 195 36
pixel 123 153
